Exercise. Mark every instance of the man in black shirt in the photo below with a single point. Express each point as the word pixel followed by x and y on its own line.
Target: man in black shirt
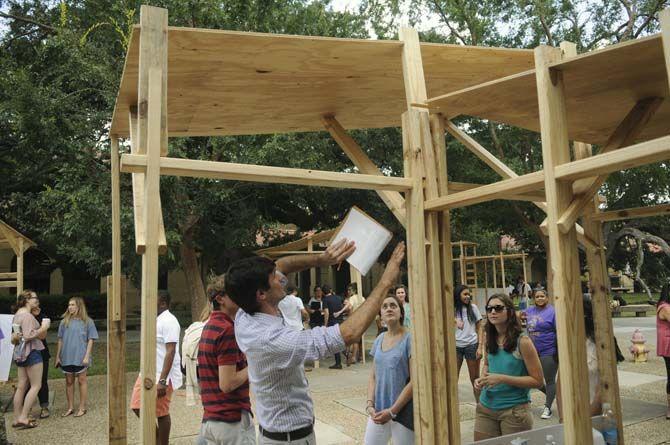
pixel 333 304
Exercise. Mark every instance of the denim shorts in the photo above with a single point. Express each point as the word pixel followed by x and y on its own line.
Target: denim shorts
pixel 469 352
pixel 33 358
pixel 73 369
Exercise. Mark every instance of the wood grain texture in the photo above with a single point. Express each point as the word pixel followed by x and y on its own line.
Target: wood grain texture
pixel 226 82
pixel 601 87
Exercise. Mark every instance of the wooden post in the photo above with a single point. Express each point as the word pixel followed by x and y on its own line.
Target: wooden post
pixel 357 278
pixel 495 274
pixel 116 318
pixel 19 265
pixel 116 362
pixel 461 262
pixel 564 258
pixel 152 123
pixel 502 270
pixel 486 280
pixel 602 313
pixel 312 271
pixel 419 151
pixel 523 263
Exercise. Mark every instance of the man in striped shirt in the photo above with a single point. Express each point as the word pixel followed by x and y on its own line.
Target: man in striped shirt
pixel 276 352
pixel 222 376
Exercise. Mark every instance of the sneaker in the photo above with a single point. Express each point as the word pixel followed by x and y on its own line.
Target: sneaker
pixel 546 413
pixel 335 367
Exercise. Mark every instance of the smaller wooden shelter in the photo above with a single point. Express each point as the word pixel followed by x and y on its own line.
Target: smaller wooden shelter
pixel 11 238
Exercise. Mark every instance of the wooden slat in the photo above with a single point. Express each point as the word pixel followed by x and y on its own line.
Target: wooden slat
pixel 636 212
pixel 664 18
pixel 563 251
pixel 644 153
pixel 7 275
pixel 416 126
pixel 393 200
pixel 604 85
pixel 20 264
pixel 629 130
pixel 227 82
pixel 117 418
pixel 11 239
pixel 138 196
pixel 488 192
pixel 265 174
pixel 154 38
pixel 602 313
pixel 13 233
pixel 5 284
pixel 116 231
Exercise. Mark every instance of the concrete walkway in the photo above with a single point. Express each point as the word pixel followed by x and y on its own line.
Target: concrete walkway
pixel 340 399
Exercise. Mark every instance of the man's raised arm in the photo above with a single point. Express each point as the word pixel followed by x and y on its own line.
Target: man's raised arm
pixel 335 253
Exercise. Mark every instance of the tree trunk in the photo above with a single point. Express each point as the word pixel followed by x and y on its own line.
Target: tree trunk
pixel 191 268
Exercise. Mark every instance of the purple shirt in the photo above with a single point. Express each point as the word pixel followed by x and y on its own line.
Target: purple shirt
pixel 541 325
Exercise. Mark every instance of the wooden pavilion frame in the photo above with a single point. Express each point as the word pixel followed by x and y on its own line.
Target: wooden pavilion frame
pixel 10 238
pixel 223 82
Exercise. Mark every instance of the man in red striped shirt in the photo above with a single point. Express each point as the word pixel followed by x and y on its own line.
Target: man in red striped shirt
pixel 222 376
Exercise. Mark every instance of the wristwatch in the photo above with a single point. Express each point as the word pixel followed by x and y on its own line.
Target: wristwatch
pixel 393 416
pixel 163 382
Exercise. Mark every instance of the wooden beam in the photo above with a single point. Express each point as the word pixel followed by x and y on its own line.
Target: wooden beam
pixel 19 266
pixel 117 419
pixel 6 284
pixel 393 200
pixel 636 212
pixel 624 135
pixel 488 192
pixel 138 195
pixel 644 153
pixel 153 66
pixel 425 258
pixel 664 18
pixel 116 231
pixel 447 271
pixel 602 313
pixel 533 196
pixel 265 174
pixel 11 239
pixel 563 251
pixel 7 275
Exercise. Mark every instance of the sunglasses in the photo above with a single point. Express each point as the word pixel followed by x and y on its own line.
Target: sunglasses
pixel 497 308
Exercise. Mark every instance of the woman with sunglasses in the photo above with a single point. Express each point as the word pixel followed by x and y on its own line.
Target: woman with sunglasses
pixel 27 334
pixel 469 333
pixel 541 326
pixel 511 368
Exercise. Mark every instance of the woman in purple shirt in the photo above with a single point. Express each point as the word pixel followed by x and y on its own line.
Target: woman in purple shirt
pixel 541 326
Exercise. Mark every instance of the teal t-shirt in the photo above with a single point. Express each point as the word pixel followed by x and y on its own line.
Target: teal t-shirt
pixel 391 370
pixel 505 396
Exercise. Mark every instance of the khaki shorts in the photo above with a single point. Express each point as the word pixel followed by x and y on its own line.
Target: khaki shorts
pixel 495 423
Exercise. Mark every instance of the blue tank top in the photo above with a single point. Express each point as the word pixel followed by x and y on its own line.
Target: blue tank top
pixel 505 396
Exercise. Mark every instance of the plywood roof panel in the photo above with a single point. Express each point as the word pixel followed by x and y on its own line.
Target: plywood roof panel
pixel 225 82
pixel 601 87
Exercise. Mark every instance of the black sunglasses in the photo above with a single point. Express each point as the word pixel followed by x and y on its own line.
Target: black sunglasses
pixel 496 308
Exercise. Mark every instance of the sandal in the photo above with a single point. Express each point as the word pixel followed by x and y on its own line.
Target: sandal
pixel 80 413
pixel 25 426
pixel 67 413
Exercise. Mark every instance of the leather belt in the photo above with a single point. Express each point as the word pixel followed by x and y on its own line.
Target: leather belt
pixel 287 437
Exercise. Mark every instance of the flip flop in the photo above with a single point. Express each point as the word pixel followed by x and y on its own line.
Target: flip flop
pixel 67 413
pixel 25 426
pixel 80 413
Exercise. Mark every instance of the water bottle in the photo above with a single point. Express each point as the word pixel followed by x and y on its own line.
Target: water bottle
pixel 609 430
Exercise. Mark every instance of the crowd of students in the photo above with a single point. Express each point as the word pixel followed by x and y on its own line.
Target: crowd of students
pixel 76 334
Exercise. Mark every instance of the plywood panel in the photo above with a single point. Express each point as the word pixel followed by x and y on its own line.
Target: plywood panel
pixel 225 82
pixel 600 89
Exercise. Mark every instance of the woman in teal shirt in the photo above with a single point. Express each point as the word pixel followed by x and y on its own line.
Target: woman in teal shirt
pixel 511 368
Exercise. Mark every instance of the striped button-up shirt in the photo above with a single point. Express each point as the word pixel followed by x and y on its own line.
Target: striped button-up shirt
pixel 276 354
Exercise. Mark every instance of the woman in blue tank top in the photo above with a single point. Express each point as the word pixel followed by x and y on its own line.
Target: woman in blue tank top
pixel 511 368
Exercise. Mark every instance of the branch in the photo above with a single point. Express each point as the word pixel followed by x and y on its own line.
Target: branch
pixel 28 20
pixel 445 18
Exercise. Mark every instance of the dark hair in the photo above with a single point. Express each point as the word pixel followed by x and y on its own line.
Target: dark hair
pixel 665 295
pixel 317 287
pixel 326 289
pixel 458 304
pixel 245 277
pixel 164 297
pixel 402 286
pixel 400 304
pixel 290 289
pixel 513 327
pixel 22 299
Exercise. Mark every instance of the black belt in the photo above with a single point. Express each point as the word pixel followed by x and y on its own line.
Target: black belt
pixel 287 437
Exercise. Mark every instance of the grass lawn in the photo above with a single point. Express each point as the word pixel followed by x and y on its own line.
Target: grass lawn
pixel 99 366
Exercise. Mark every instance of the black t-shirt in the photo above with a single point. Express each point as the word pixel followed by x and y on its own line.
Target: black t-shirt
pixel 333 303
pixel 316 318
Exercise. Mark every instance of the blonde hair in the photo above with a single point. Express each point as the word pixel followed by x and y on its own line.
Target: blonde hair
pixel 81 313
pixel 206 312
